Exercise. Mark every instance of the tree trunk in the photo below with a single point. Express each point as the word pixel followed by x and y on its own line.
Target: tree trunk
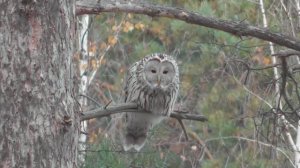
pixel 38 118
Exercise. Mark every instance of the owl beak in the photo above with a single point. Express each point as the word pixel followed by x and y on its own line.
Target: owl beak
pixel 158 82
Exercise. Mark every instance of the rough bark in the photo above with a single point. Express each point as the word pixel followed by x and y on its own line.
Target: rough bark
pixel 38 119
pixel 236 28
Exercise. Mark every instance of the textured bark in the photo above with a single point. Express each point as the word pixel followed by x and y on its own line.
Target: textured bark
pixel 235 28
pixel 38 119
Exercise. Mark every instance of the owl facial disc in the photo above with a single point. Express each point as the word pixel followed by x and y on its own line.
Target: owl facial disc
pixel 159 74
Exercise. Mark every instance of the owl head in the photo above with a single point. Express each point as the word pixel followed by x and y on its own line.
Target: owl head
pixel 159 71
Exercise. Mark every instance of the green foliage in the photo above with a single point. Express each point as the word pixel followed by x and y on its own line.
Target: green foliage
pixel 102 157
pixel 208 67
pixel 105 155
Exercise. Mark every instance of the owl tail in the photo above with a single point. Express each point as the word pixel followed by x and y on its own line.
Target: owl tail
pixel 134 141
pixel 135 133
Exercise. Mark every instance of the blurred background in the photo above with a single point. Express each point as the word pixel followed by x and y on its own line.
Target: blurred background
pixel 216 81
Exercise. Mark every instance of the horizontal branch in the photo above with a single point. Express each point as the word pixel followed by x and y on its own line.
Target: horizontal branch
pixel 235 28
pixel 133 108
pixel 286 53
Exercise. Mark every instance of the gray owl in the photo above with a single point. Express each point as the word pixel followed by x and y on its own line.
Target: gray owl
pixel 153 84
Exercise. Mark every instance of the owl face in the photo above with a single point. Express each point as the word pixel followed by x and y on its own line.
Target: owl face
pixel 159 74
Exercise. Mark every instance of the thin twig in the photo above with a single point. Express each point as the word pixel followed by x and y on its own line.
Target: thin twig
pixel 252 140
pixel 284 82
pixel 258 68
pixel 117 151
pixel 91 99
pixel 107 104
pixel 296 84
pixel 183 128
pixel 194 136
pixel 82 132
pixel 282 117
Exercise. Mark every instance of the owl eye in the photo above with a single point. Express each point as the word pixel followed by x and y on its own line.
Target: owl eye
pixel 165 72
pixel 153 71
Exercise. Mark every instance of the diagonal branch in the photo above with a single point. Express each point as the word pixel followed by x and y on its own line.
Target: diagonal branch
pixel 183 129
pixel 235 28
pixel 132 107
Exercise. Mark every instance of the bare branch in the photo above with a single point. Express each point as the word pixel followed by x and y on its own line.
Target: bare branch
pixel 284 75
pixel 286 53
pixel 132 107
pixel 235 28
pixel 255 68
pixel 183 129
pixel 254 141
pixel 283 55
pixel 91 99
pixel 195 136
pixel 286 123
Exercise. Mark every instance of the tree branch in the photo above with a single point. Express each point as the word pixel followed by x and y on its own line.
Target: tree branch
pixel 235 28
pixel 286 53
pixel 183 129
pixel 132 107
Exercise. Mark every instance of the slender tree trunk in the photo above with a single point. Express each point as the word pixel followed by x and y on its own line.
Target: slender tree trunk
pixel 38 119
pixel 83 45
pixel 276 77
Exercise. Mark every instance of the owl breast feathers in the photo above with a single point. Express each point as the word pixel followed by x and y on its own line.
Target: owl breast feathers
pixel 153 84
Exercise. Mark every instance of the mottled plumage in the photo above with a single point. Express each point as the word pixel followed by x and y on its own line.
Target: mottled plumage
pixel 153 84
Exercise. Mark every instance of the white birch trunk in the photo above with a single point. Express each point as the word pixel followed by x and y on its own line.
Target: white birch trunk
pixel 298 9
pixel 274 61
pixel 290 140
pixel 83 46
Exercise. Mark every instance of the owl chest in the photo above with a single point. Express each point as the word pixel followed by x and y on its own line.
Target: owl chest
pixel 155 101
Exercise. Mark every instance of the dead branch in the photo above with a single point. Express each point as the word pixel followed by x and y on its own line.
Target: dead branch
pixel 285 74
pixel 183 129
pixel 236 28
pixel 195 136
pixel 255 68
pixel 286 53
pixel 132 107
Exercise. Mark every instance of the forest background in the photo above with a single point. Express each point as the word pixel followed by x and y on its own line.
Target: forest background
pixel 229 79
pixel 62 61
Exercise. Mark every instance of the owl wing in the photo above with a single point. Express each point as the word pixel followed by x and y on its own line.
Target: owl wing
pixel 130 84
pixel 135 132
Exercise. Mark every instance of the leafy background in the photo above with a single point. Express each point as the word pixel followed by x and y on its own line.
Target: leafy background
pixel 214 82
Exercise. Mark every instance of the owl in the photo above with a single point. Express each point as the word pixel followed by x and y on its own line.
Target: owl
pixel 153 84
